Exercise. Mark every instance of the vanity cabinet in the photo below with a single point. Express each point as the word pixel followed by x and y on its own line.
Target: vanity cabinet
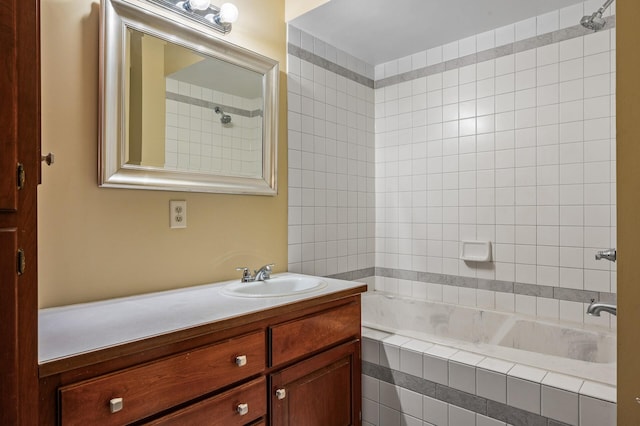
pixel 296 364
pixel 322 390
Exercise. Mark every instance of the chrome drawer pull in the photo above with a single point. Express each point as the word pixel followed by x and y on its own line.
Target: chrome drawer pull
pixel 116 404
pixel 241 360
pixel 242 409
pixel 281 393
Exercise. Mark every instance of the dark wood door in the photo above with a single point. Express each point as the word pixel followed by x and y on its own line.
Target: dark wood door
pixel 320 391
pixel 19 144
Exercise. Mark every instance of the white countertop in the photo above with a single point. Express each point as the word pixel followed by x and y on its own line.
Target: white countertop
pixel 76 329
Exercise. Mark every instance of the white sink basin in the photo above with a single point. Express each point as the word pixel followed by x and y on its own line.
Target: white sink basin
pixel 275 287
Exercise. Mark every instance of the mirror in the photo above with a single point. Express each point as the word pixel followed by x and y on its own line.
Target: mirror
pixel 182 109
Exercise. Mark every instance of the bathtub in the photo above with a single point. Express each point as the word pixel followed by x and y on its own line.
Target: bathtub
pixel 588 353
pixel 571 366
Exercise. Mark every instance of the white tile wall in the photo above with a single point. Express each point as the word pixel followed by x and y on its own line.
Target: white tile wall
pixel 390 353
pixel 411 357
pixel 331 168
pixel 595 412
pixel 491 385
pixel 460 417
pixel 198 142
pixel 435 412
pixel 523 394
pixel 519 150
pixel 560 405
pixel 487 421
pixel 522 154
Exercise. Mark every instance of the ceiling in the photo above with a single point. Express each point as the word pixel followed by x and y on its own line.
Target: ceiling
pixel 378 31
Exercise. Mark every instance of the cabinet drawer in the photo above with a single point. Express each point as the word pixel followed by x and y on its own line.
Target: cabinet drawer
pixel 224 409
pixel 159 385
pixel 306 335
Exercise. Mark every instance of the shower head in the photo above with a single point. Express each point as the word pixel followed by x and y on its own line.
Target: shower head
pixel 224 118
pixel 596 22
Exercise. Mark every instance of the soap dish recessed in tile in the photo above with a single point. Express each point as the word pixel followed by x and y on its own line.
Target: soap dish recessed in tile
pixel 476 251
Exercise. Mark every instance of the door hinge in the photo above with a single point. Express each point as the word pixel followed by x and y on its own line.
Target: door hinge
pixel 21 262
pixel 20 176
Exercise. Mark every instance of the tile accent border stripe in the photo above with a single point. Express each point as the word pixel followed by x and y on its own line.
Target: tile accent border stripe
pixel 307 56
pixel 486 407
pixel 485 55
pixel 550 292
pixel 497 52
pixel 212 105
pixel 537 290
pixel 354 275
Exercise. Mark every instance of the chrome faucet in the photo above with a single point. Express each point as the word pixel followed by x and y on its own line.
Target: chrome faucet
pixel 246 275
pixel 262 274
pixel 609 254
pixel 596 307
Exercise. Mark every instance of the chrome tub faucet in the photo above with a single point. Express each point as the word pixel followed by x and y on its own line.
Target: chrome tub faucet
pixel 595 308
pixel 609 254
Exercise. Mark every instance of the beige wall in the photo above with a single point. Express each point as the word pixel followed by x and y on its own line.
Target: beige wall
pixel 97 243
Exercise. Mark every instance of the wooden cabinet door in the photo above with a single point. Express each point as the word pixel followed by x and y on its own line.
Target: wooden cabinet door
pixel 322 390
pixel 19 143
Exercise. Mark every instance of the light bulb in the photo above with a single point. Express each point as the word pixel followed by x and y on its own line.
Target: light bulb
pixel 199 4
pixel 228 14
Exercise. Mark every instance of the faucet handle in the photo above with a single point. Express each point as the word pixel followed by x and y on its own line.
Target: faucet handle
pixel 246 275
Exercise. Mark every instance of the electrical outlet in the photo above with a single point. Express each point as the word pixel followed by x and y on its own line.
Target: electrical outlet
pixel 177 213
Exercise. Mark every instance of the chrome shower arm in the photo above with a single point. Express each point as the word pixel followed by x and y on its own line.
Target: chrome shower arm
pixel 604 7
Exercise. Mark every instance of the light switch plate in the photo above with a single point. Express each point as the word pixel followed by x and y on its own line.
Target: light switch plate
pixel 178 213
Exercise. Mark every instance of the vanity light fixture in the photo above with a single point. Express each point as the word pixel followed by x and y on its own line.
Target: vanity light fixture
pixel 219 18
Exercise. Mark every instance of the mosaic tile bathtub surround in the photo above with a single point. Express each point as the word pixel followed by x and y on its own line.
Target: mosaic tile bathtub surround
pixel 506 136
